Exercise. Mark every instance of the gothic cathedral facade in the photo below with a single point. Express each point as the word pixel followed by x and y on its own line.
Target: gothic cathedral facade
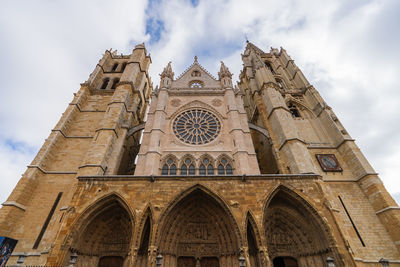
pixel 200 172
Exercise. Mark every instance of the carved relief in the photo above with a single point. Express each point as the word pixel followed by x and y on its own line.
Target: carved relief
pixel 216 102
pixel 175 102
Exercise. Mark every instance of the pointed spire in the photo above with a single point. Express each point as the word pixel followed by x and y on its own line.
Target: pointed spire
pixel 224 72
pixel 167 72
pixel 195 59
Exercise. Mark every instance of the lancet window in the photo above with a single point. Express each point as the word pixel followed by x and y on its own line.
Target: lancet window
pixel 123 66
pixel 116 80
pixel 224 166
pixel 187 167
pixel 105 83
pixel 206 167
pixel 169 167
pixel 268 65
pixel 114 68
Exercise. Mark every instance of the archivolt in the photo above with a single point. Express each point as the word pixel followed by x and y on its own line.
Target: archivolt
pixel 192 204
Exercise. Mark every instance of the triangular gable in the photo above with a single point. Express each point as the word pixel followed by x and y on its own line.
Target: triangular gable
pixel 195 72
pixel 250 45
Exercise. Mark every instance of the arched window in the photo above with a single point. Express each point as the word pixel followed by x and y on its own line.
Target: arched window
pixel 196 73
pixel 268 65
pixel 188 165
pixel 169 167
pixel 206 167
pixel 105 83
pixel 116 80
pixel 123 66
pixel 224 166
pixel 196 84
pixel 114 68
pixel 293 109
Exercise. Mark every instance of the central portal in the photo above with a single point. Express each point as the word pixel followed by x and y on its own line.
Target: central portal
pixel 198 231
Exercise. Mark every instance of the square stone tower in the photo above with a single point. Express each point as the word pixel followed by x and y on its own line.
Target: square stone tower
pixel 258 174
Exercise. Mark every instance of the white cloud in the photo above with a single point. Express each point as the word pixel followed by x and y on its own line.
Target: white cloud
pixel 347 49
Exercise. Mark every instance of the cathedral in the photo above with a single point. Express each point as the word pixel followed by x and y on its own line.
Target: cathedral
pixel 200 172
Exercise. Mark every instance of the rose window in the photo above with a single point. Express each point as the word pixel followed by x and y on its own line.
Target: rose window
pixel 196 126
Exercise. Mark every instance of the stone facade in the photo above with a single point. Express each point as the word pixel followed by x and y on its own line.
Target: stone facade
pixel 258 174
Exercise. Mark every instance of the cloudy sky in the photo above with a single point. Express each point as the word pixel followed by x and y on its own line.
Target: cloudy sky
pixel 348 49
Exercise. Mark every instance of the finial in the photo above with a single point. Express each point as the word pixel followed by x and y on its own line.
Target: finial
pixel 224 71
pixel 195 59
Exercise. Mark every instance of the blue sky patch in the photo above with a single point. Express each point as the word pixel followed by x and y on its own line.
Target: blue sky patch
pixel 195 2
pixel 19 146
pixel 154 27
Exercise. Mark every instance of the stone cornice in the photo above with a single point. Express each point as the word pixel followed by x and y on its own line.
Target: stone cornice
pixel 291 140
pixel 14 204
pixel 108 129
pixel 198 177
pixel 387 209
pixel 50 172
pixel 70 136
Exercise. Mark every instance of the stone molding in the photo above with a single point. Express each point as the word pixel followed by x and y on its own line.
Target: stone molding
pixel 14 204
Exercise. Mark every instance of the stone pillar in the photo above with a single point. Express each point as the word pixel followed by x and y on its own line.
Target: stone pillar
pixel 244 154
pixel 149 155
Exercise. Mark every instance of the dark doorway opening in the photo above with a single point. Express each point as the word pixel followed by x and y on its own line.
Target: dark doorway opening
pixel 209 262
pixel 186 262
pixel 285 262
pixel 111 261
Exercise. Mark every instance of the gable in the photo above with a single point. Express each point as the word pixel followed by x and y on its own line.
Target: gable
pixel 196 73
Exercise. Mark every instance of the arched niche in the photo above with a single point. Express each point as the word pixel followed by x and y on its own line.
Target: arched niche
pixel 198 230
pixel 295 232
pixel 103 234
pixel 253 241
pixel 143 240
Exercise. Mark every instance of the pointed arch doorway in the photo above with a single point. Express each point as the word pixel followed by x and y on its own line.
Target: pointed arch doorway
pixel 103 234
pixel 199 231
pixel 296 234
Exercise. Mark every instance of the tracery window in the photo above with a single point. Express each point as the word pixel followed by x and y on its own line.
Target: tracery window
pixel 196 126
pixel 195 84
pixel 224 166
pixel 169 167
pixel 187 167
pixel 206 167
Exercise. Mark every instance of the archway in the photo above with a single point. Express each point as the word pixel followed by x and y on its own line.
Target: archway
pixel 199 231
pixel 296 235
pixel 252 245
pixel 103 234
